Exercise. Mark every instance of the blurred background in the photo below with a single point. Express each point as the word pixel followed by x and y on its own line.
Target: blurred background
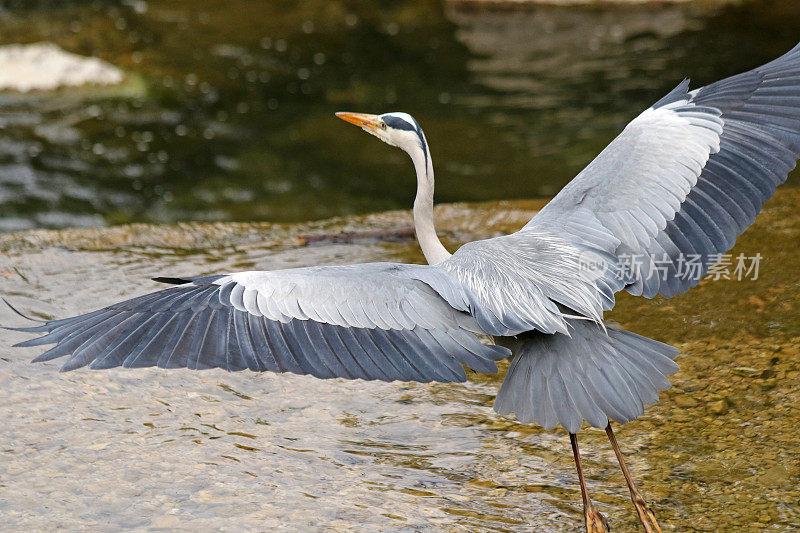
pixel 223 111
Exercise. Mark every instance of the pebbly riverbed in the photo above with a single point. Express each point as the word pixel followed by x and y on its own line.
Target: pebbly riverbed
pixel 182 450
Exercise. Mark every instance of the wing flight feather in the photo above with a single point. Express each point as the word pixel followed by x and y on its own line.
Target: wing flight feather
pixel 372 321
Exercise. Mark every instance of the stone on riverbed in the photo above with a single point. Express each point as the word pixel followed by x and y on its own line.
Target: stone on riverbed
pixel 47 67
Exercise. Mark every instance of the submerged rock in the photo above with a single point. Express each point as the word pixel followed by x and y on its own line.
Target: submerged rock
pixel 46 67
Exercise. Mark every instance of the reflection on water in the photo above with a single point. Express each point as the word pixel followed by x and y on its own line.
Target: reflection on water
pixel 207 450
pixel 227 114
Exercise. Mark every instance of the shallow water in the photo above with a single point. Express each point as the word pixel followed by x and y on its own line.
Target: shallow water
pixel 201 451
pixel 227 113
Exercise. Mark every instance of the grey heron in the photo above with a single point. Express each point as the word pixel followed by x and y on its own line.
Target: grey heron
pixel 685 177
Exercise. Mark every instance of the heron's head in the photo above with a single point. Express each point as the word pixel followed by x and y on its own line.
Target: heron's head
pixel 397 129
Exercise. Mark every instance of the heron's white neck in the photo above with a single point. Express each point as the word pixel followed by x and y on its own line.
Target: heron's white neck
pixel 431 246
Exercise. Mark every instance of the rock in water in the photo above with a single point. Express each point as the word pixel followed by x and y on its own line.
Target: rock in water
pixel 46 67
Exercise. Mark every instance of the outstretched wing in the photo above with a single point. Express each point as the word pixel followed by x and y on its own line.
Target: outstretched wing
pixel 678 185
pixel 686 177
pixel 372 321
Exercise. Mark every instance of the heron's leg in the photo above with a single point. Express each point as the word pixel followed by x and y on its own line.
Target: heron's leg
pixel 595 522
pixel 646 515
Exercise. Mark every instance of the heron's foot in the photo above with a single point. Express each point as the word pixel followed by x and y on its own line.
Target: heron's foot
pixel 646 516
pixel 595 521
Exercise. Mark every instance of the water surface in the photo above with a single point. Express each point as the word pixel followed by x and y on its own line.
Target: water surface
pixel 228 110
pixel 198 451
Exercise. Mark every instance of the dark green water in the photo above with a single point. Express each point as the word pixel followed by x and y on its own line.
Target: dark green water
pixel 231 113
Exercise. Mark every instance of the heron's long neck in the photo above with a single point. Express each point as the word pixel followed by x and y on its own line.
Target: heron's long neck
pixel 423 210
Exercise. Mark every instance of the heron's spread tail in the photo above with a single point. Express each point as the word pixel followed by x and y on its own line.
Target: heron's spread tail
pixel 591 375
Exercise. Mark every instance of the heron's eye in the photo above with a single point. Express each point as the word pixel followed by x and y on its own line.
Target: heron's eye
pixel 383 125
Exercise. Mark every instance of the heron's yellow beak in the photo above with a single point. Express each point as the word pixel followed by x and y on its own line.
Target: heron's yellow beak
pixel 368 122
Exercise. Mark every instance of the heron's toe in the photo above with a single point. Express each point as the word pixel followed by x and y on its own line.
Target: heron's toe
pixel 647 517
pixel 596 522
